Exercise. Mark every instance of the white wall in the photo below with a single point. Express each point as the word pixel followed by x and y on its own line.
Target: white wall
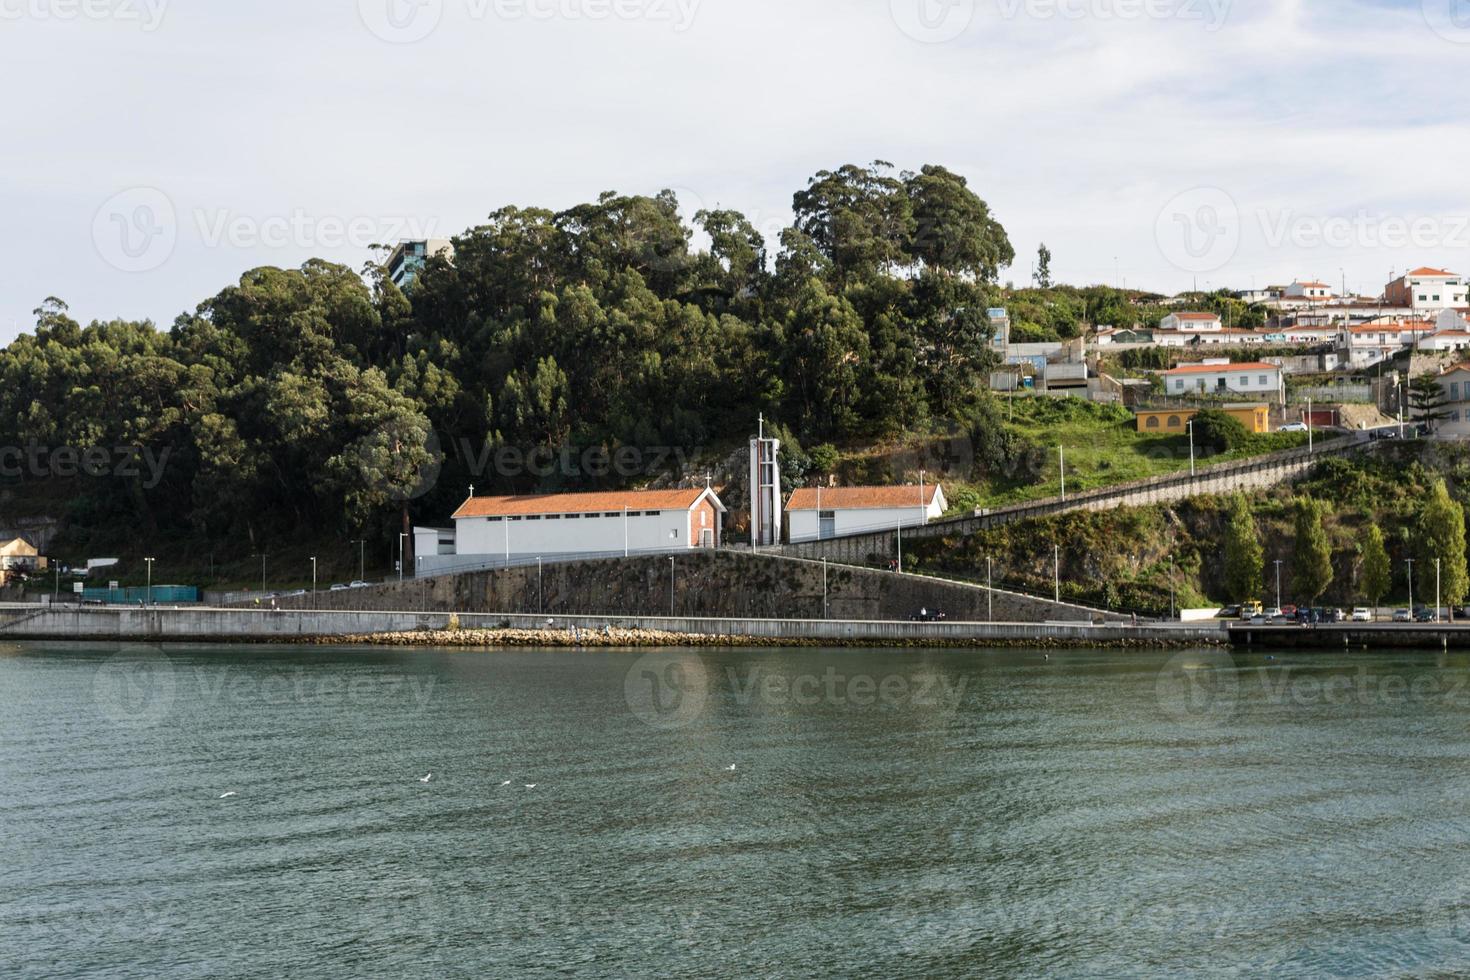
pixel 665 531
pixel 1246 383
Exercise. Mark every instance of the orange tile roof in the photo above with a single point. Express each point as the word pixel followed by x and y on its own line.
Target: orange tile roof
pixel 1213 368
pixel 580 503
pixel 862 498
pixel 1426 271
pixel 1198 316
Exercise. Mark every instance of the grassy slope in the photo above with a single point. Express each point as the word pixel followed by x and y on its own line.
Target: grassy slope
pixel 1128 558
pixel 1103 447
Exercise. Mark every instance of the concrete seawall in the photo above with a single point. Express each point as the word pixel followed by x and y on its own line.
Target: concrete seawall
pixel 249 625
pixel 705 584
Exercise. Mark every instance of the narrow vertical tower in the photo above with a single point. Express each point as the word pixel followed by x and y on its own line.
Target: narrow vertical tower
pixel 765 489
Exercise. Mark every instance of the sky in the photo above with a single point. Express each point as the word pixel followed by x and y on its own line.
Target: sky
pixel 151 151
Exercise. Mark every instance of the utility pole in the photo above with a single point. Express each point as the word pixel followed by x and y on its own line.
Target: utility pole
pixel 671 587
pixel 541 590
pixel 625 531
pixel 1437 595
pixel 1190 426
pixel 361 558
pixel 313 581
pixel 262 571
pixel 900 547
pixel 1309 423
pixel 923 509
pixel 1062 458
pixel 149 593
pixel 401 536
pixel 1277 563
pixel 1410 563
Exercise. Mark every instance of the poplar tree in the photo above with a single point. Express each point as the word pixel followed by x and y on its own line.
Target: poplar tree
pixel 1244 556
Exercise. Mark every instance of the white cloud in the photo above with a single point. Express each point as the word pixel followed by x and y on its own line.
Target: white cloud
pixel 1077 130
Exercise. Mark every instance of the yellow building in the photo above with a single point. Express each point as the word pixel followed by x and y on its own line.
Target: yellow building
pixel 1159 421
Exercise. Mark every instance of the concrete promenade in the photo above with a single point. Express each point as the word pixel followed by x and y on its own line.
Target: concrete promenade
pixel 291 625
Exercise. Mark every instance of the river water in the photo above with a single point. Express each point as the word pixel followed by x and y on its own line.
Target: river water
pixel 898 813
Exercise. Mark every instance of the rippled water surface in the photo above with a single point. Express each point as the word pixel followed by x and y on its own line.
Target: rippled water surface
pixel 944 813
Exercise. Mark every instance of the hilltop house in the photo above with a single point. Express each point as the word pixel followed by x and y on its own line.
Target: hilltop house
pixel 1172 421
pixel 1427 291
pixel 1221 377
pixel 1316 291
pixel 818 513
pixel 1196 322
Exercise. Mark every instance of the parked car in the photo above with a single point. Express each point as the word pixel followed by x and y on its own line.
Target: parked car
pixel 338 587
pixel 1385 434
pixel 1293 427
pixel 1402 616
pixel 1362 615
pixel 1426 616
pixel 1288 610
pixel 1229 612
pixel 1335 616
pixel 357 584
pixel 1275 613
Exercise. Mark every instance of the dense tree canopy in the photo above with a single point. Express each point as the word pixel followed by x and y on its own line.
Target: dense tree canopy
pixel 322 398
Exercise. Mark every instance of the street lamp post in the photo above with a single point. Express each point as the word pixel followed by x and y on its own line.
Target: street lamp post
pixel 1062 460
pixel 923 511
pixel 149 593
pixel 1277 563
pixel 361 559
pixel 1190 425
pixel 401 536
pixel 1410 563
pixel 540 589
pixel 313 581
pixel 1309 423
pixel 262 571
pixel 900 547
pixel 671 587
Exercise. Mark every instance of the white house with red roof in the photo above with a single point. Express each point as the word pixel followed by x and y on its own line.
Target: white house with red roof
pixel 1196 322
pixel 1222 377
pixel 571 525
pixel 1315 291
pixel 819 513
pixel 1428 290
